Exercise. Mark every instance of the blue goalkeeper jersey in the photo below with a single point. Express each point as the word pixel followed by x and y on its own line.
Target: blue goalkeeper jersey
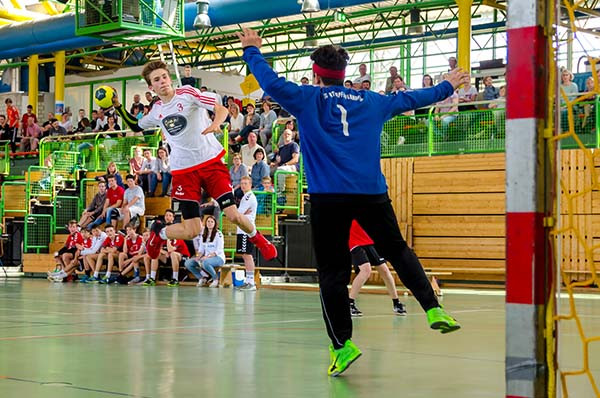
pixel 340 128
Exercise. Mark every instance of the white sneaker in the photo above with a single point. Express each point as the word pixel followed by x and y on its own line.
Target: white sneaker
pixel 214 283
pixel 57 279
pixel 202 282
pixel 135 281
pixel 248 287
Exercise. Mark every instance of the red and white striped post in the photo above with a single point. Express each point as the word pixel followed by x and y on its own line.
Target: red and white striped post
pixel 527 260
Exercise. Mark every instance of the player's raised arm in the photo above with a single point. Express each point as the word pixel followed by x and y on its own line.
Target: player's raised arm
pixel 287 94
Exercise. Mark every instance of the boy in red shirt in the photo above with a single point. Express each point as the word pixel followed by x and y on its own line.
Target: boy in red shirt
pixel 110 250
pixel 68 253
pixel 133 253
pixel 176 250
pixel 114 200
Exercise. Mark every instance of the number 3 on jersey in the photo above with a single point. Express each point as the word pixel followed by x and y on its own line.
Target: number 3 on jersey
pixel 344 120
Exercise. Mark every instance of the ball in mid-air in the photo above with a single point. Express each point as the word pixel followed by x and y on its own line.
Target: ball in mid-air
pixel 103 96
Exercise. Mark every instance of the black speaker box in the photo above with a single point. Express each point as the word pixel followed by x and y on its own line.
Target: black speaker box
pixel 12 239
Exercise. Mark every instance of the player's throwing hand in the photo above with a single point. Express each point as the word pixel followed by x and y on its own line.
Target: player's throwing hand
pixel 249 38
pixel 457 77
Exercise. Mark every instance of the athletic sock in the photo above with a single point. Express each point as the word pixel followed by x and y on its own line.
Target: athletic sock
pixel 108 275
pixel 136 272
pixel 153 274
pixel 96 274
pixel 396 301
pixel 253 233
pixel 176 275
pixel 250 279
pixel 163 234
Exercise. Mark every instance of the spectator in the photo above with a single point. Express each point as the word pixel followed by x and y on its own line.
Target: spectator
pixel 267 185
pixel 94 120
pixel 289 154
pixel 348 84
pixel 210 254
pixel 588 108
pixel 90 255
pixel 389 83
pixel 56 128
pixel 135 105
pixel 236 121
pixel 427 81
pixel 135 163
pixel 5 130
pixel 83 126
pixel 81 115
pixel 46 127
pixel 203 89
pixel 251 122
pixel 236 172
pixel 101 121
pixel 112 169
pixel 452 63
pixel 94 209
pixel 362 69
pixel 139 111
pixel 151 99
pixel 566 83
pixel 110 250
pixel 447 108
pixel 248 206
pixel 365 85
pixel 304 81
pixel 114 199
pixel 163 173
pixel 12 118
pixel 32 136
pixel 147 173
pixel 111 124
pixel 489 92
pixel 69 252
pixel 133 204
pixel 267 119
pixel 66 123
pixel 177 251
pixel 260 169
pixel 187 78
pixel 132 255
pixel 398 85
pixel 26 116
pixel 499 102
pixel 86 243
pixel 249 149
pixel 466 94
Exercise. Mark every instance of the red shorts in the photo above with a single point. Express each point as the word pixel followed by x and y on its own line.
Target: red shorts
pixel 213 177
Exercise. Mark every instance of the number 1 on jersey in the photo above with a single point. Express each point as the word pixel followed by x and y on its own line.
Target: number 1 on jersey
pixel 344 120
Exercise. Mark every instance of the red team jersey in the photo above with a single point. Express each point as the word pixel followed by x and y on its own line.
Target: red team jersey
pixel 113 195
pixel 74 239
pixel 180 247
pixel 116 242
pixel 87 243
pixel 358 236
pixel 134 246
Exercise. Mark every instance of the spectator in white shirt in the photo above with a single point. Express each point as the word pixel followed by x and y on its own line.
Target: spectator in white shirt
pixel 210 254
pixel 147 173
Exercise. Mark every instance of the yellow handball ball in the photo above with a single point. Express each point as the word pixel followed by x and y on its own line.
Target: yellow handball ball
pixel 103 96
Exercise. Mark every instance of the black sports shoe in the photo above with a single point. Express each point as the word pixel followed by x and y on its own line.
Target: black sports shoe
pixel 400 309
pixel 354 311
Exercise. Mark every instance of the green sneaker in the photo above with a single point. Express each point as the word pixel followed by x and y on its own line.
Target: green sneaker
pixel 149 282
pixel 173 283
pixel 440 320
pixel 342 359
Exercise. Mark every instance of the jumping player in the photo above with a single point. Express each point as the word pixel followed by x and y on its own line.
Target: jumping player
pixel 196 157
pixel 340 129
pixel 364 255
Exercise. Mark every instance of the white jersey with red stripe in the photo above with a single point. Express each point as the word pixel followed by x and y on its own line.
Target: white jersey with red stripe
pixel 182 120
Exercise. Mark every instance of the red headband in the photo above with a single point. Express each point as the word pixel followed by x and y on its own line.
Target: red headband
pixel 330 73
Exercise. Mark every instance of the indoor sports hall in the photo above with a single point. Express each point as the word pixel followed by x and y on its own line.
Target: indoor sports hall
pixel 296 198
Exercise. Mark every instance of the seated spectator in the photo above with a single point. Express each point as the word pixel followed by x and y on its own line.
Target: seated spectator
pixel 466 94
pixel 135 104
pixel 94 120
pixel 110 250
pixel 177 251
pixel 29 113
pixel 131 256
pixel 91 255
pixel 147 173
pixel 133 204
pixel 348 84
pixel 210 254
pixel 139 111
pixel 389 82
pixel 46 127
pixel 588 108
pixel 66 123
pixel 263 202
pixel 81 115
pixel 236 121
pixel 94 209
pixel 489 92
pixel 60 276
pixel 499 102
pixel 362 69
pixel 247 151
pixel 101 120
pixel 288 154
pixel 251 122
pixel 83 126
pixel 267 185
pixel 445 113
pixel 5 130
pixel 112 169
pixel 260 169
pixel 67 255
pixel 114 199
pixel 398 85
pixel 32 136
pixel 135 163
pixel 236 172
pixel 111 124
pixel 56 128
pixel 365 85
pixel 304 81
pixel 163 173
pixel 265 129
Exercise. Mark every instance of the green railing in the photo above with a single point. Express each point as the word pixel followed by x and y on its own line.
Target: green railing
pixel 40 184
pixel 66 208
pixel 65 165
pixel 5 157
pixel 38 232
pixel 265 212
pixel 586 118
pixel 96 150
pixel 288 188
